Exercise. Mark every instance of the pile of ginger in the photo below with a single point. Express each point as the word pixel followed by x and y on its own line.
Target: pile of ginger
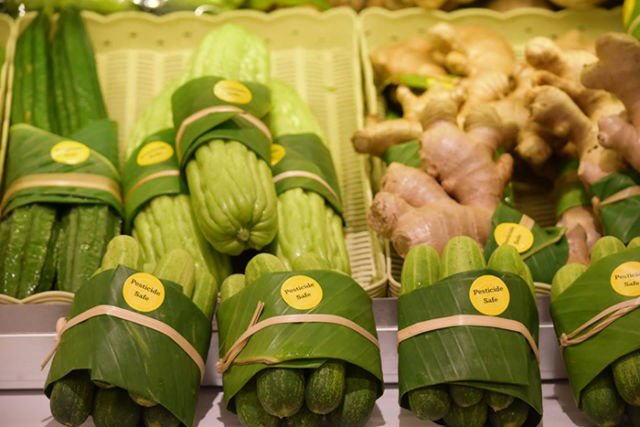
pixel 567 98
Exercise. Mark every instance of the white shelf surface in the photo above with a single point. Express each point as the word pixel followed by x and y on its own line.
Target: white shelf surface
pixel 26 408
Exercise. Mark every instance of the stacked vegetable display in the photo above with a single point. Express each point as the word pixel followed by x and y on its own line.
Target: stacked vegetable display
pixel 481 366
pixel 603 358
pixel 61 203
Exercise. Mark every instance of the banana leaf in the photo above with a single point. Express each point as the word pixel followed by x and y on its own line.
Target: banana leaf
pixel 486 358
pixel 589 295
pixel 131 356
pixel 299 345
pixel 202 93
pixel 569 189
pixel 550 249
pixel 407 153
pixel 620 219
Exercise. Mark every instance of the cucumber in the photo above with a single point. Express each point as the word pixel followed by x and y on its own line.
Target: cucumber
pixel 499 401
pixel 262 264
pixel 122 250
pixel 430 403
pixel 71 398
pixel 626 375
pixel 564 278
pixel 471 416
pixel 159 416
pixel 421 268
pixel 280 390
pixel 606 246
pixel 507 259
pixel 114 408
pixel 633 412
pixel 304 418
pixel 178 267
pixel 513 416
pixel 465 396
pixel 141 400
pixel 461 254
pixel 309 261
pixel 325 387
pixel 600 401
pixel 634 243
pixel 250 411
pixel 231 286
pixel 360 396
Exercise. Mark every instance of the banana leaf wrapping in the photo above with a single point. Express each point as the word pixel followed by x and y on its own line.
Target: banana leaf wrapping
pixel 407 153
pixel 296 345
pixel 487 358
pixel 548 252
pixel 620 218
pixel 589 295
pixel 303 161
pixel 196 123
pixel 152 170
pixel 44 167
pixel 570 190
pixel 131 356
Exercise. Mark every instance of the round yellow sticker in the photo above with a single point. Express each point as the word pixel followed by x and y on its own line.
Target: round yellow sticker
pixel 143 292
pixel 154 152
pixel 70 152
pixel 301 292
pixel 489 295
pixel 232 91
pixel 625 279
pixel 277 153
pixel 516 235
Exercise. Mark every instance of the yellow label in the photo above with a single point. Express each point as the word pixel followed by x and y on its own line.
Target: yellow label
pixel 516 235
pixel 154 152
pixel 489 295
pixel 232 91
pixel 627 11
pixel 625 279
pixel 70 152
pixel 277 153
pixel 143 292
pixel 301 292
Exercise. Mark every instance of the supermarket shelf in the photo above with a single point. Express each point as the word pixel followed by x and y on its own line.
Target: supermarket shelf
pixel 31 409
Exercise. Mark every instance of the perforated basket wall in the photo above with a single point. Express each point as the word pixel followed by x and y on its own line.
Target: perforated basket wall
pixel 380 27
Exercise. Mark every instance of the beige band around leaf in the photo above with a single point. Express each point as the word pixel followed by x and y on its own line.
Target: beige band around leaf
pixel 304 174
pixel 157 175
pixel 469 320
pixel 621 195
pixel 219 109
pixel 63 325
pixel 527 222
pixel 254 326
pixel 79 180
pixel 601 321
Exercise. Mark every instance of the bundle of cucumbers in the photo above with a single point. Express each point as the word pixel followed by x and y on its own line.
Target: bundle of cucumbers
pixel 457 375
pixel 81 393
pixel 56 240
pixel 299 390
pixel 607 388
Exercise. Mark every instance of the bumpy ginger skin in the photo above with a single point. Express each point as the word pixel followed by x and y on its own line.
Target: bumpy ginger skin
pixel 581 216
pixel 618 71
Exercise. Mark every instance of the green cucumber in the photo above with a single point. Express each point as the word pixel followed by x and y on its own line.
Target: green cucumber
pixel 499 401
pixel 471 416
pixel 430 403
pixel 262 264
pixel 564 278
pixel 309 261
pixel 122 250
pixel 461 254
pixel 465 396
pixel 304 418
pixel 513 416
pixel 633 412
pixel 626 375
pixel 280 391
pixel 114 408
pixel 507 259
pixel 178 267
pixel 600 401
pixel 71 399
pixel 421 268
pixel 250 411
pixel 606 246
pixel 634 243
pixel 159 416
pixel 231 286
pixel 360 394
pixel 325 387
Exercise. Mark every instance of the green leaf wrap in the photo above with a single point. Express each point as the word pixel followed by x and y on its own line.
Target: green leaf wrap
pixel 407 153
pixel 620 219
